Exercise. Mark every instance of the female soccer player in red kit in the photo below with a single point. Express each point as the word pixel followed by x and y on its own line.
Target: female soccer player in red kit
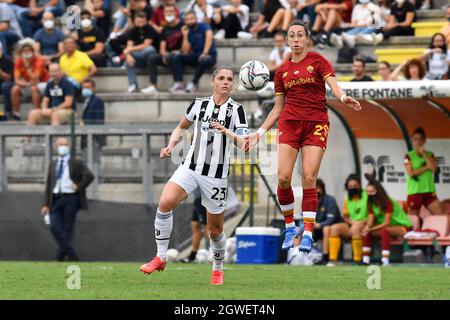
pixel 300 107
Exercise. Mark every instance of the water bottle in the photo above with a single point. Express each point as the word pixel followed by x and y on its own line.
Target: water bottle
pixel 47 219
pixel 447 257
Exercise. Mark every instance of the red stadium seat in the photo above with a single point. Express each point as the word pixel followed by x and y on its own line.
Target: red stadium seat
pixel 438 223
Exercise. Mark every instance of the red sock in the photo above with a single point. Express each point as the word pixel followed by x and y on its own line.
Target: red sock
pixel 385 239
pixel 309 208
pixel 286 199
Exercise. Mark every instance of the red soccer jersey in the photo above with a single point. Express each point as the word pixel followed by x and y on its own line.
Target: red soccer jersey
pixel 303 85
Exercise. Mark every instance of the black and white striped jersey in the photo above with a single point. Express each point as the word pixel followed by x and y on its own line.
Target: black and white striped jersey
pixel 210 151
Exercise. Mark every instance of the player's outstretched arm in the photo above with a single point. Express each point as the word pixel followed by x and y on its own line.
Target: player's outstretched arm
pixel 175 137
pixel 339 94
pixel 251 140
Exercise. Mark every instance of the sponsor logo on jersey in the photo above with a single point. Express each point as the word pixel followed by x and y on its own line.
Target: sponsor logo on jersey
pixel 208 119
pixel 310 69
pixel 298 81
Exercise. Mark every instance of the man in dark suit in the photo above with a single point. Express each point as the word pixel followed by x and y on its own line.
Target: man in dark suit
pixel 94 108
pixel 65 194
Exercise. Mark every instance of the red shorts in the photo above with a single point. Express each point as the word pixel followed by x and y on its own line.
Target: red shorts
pixel 415 201
pixel 299 133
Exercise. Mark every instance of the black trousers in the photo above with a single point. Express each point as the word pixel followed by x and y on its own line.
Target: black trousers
pixel 231 25
pixel 63 213
pixel 399 31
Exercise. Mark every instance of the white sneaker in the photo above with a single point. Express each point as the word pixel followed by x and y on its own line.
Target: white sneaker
pixel 350 40
pixel 178 87
pixel 114 35
pixel 116 60
pixel 336 41
pixel 150 90
pixel 220 35
pixel 377 39
pixel 191 87
pixel 132 88
pixel 364 38
pixel 331 264
pixel 244 35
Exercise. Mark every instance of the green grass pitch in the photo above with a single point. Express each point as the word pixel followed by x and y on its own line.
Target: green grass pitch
pixel 48 280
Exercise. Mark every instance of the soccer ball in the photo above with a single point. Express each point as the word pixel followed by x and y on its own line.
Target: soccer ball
pixel 172 255
pixel 254 75
pixel 202 256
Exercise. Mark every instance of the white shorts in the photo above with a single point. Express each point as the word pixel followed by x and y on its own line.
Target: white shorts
pixel 214 190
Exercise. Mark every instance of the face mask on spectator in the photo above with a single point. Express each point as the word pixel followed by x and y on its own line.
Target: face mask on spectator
pixel 63 150
pixel 352 192
pixel 400 1
pixel 364 1
pixel 86 23
pixel 49 24
pixel 170 18
pixel 86 92
pixel 27 55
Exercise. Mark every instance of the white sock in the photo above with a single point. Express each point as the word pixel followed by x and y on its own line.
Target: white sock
pixel 163 229
pixel 366 254
pixel 218 249
pixel 385 257
pixel 366 259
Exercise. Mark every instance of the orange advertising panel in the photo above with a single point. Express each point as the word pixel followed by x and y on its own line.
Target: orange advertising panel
pixel 419 113
pixel 372 122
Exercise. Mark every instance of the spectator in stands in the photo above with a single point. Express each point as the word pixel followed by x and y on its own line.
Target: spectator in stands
pixel 365 22
pixel 30 77
pixel 10 31
pixel 141 44
pixel 76 64
pixel 233 18
pixel 31 17
pixel 385 71
pixel 171 40
pixel 198 221
pixel 101 15
pixel 65 194
pixel 386 220
pixel 403 14
pixel 278 54
pixel 385 11
pixel 420 166
pixel 49 41
pixel 203 10
pixel 359 70
pixel 6 81
pixel 437 58
pixel 58 102
pixel 295 9
pixel 355 217
pixel 158 19
pixel 120 24
pixel 267 24
pixel 198 50
pixel 422 4
pixel 94 107
pixel 91 40
pixel 328 213
pixel 413 69
pixel 126 15
pixel 331 14
pixel 446 27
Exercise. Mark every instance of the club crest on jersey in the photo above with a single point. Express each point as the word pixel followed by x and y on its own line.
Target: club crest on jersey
pixel 296 72
pixel 310 69
pixel 284 75
pixel 229 111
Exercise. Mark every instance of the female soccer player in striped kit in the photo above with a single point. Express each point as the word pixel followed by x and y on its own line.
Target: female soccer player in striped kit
pixel 300 107
pixel 218 121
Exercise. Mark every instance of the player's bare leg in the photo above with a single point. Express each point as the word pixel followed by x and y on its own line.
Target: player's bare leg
pixel 287 156
pixel 311 159
pixel 172 195
pixel 217 244
pixel 436 208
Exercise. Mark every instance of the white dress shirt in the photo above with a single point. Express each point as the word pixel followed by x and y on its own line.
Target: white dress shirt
pixel 65 183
